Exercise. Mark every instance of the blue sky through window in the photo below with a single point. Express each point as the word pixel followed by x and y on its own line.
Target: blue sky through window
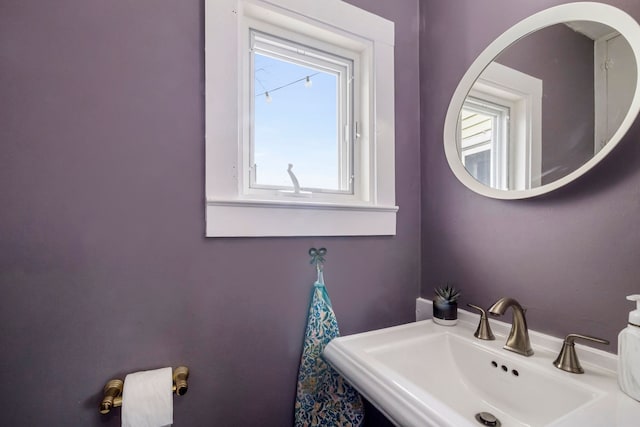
pixel 298 125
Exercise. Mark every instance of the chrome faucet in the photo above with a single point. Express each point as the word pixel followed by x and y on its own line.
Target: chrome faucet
pixel 518 340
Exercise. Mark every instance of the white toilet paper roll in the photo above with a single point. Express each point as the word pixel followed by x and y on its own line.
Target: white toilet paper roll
pixel 147 399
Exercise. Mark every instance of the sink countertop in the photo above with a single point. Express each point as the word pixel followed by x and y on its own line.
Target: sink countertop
pixel 391 368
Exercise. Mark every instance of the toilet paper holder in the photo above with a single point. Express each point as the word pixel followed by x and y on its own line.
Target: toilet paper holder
pixel 113 389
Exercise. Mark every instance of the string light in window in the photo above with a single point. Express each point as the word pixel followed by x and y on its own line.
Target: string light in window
pixel 267 93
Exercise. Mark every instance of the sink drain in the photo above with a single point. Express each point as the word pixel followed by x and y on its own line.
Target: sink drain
pixel 487 419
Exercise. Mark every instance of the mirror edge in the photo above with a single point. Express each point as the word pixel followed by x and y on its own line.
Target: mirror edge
pixel 579 11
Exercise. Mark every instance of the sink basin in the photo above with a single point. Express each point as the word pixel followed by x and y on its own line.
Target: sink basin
pixel 424 374
pixel 473 379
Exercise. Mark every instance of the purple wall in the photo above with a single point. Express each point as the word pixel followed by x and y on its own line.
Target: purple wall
pixel 104 268
pixel 571 256
pixel 563 60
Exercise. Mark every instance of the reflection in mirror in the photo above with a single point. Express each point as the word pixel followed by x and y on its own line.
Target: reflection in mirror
pixel 546 105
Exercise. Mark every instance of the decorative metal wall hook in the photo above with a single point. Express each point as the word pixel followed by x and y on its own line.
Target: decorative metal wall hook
pixel 317 257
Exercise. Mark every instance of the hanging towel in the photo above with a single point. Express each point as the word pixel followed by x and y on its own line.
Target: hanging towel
pixel 323 397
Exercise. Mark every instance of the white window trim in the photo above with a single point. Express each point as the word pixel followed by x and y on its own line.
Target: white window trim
pixel 502 134
pixel 524 93
pixel 229 212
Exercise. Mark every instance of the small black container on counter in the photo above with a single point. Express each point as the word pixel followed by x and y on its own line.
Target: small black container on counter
pixel 445 306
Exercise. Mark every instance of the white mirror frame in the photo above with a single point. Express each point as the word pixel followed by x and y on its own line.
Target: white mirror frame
pixel 581 11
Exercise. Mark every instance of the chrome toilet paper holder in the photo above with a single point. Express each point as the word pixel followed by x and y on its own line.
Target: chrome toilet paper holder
pixel 113 389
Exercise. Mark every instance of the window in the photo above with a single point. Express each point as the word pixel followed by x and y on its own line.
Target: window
pixel 299 119
pixel 302 117
pixel 485 141
pixel 501 129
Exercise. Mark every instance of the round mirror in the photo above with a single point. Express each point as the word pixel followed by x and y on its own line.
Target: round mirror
pixel 545 102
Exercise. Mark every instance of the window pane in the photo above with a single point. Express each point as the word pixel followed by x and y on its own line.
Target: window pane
pixel 476 128
pixel 295 122
pixel 477 134
pixel 484 127
pixel 479 166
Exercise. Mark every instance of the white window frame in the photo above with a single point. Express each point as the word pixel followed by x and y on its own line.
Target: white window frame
pixel 523 93
pixel 231 211
pixel 500 110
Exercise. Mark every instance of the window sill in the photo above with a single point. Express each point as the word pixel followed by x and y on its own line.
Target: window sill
pixel 259 218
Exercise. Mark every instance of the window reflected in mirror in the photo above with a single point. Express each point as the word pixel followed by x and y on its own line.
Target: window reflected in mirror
pixel 484 140
pixel 500 126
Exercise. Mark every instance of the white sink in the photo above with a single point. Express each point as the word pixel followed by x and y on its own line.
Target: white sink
pixel 471 379
pixel 423 374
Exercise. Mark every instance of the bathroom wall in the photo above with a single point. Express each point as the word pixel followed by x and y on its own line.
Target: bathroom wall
pixel 104 267
pixel 563 60
pixel 571 256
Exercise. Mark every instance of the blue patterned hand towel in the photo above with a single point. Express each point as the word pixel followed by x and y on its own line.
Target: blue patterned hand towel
pixel 323 397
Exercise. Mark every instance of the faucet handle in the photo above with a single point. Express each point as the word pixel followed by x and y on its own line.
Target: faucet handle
pixel 483 332
pixel 567 360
